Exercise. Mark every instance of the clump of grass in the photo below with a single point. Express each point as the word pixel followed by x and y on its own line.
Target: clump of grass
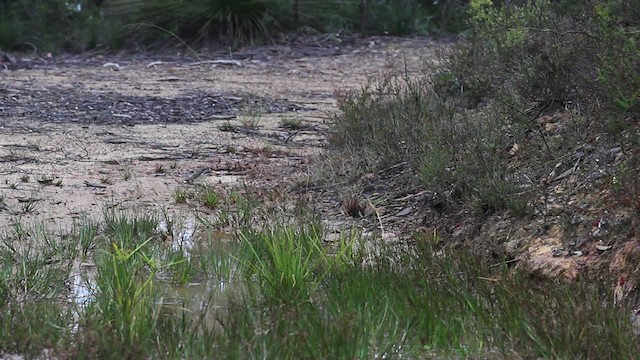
pixel 251 119
pixel 289 262
pixel 126 296
pixel 34 266
pixel 219 258
pixel 86 231
pixel 126 174
pixel 104 179
pixel 227 127
pixel 128 228
pixel 352 207
pixel 29 206
pixel 208 195
pixel 180 195
pixel 182 266
pixel 292 123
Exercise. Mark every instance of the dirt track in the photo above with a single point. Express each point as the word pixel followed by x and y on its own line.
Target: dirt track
pixel 77 135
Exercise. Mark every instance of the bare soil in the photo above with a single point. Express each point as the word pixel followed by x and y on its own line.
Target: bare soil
pixel 79 134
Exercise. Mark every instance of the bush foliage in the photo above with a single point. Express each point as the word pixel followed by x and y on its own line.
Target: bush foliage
pixel 151 23
pixel 472 129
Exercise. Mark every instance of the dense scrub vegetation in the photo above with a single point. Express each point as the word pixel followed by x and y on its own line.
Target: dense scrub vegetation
pixel 475 129
pixel 86 24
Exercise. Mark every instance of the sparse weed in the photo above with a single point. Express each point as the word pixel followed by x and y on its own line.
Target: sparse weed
pixel 127 174
pixel 29 206
pixel 227 127
pixel 292 123
pixel 250 121
pixel 45 180
pixel 104 179
pixel 251 117
pixel 35 146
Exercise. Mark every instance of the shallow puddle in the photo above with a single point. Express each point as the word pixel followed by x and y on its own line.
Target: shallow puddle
pixel 182 237
pixel 207 293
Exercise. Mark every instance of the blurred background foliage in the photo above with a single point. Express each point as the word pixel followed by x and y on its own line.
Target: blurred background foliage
pixel 79 25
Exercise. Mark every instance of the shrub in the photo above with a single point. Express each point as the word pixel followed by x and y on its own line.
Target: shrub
pixel 41 25
pixel 458 127
pixel 88 24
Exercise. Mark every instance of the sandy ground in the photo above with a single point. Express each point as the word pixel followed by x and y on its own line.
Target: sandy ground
pixel 78 136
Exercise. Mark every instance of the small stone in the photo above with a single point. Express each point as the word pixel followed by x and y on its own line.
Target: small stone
pixel 603 247
pixel 406 211
pixel 514 149
pixel 512 246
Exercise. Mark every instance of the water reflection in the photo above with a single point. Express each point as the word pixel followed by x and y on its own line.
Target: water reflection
pixel 182 237
pixel 206 297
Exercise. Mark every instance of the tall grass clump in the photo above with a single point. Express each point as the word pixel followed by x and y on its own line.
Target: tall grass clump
pixel 34 266
pixel 288 262
pixel 126 298
pixel 196 22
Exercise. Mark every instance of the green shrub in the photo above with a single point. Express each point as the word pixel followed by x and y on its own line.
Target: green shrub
pixel 40 26
pixel 460 155
pixel 460 127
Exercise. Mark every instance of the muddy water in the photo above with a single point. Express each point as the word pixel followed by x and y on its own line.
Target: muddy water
pixel 205 295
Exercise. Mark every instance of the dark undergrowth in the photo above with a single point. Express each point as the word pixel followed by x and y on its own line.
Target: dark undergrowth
pixel 39 25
